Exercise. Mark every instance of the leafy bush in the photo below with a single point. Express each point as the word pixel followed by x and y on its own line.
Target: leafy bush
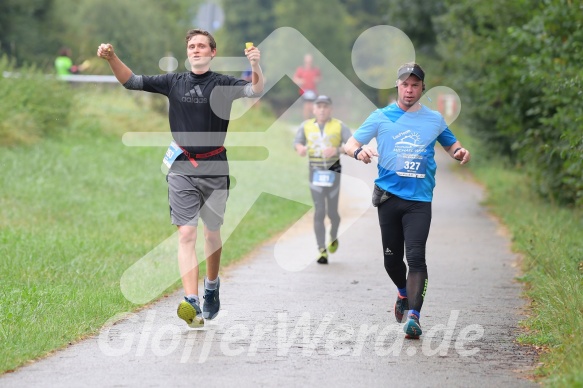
pixel 517 65
pixel 553 146
pixel 33 105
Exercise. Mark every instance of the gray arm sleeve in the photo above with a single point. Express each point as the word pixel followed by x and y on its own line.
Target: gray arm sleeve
pixel 134 83
pixel 248 91
pixel 345 133
pixel 300 136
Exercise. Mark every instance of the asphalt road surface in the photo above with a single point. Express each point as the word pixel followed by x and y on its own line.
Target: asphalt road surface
pixel 287 321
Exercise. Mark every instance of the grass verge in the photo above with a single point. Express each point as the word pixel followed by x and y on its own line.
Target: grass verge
pixel 550 239
pixel 78 208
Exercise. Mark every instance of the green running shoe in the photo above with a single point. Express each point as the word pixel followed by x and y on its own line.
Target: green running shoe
pixel 412 327
pixel 189 311
pixel 333 247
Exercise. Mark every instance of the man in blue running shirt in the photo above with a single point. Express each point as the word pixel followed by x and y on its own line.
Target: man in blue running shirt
pixel 406 132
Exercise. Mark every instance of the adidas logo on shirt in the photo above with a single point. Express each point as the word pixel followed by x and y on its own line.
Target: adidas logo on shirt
pixel 195 96
pixel 388 252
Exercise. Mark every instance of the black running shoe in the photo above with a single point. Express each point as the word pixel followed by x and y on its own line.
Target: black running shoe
pixel 401 306
pixel 323 258
pixel 212 304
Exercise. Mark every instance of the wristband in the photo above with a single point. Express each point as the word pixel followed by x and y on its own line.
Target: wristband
pixel 456 150
pixel 357 152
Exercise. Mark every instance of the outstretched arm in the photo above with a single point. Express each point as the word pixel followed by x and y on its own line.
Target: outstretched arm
pixel 257 80
pixel 119 69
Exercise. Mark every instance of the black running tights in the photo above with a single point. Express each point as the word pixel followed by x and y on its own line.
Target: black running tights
pixel 404 230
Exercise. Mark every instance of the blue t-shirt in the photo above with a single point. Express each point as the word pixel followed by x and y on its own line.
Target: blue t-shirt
pixel 406 142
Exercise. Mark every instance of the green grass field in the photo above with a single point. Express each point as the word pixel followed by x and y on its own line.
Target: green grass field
pixel 550 241
pixel 79 208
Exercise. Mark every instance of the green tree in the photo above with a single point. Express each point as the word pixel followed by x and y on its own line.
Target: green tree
pixel 245 21
pixel 415 18
pixel 141 34
pixel 474 46
pixel 323 24
pixel 25 30
pixel 517 65
pixel 552 146
pixel 362 15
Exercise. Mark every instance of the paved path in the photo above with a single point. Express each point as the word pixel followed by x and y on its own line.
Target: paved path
pixel 289 322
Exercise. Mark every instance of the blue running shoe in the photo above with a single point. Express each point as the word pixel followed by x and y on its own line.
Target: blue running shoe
pixel 412 327
pixel 189 311
pixel 212 303
pixel 401 306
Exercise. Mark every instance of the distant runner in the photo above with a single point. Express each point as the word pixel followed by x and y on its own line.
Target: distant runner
pixel 64 64
pixel 321 139
pixel 307 77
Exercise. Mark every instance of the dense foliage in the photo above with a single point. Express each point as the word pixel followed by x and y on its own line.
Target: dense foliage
pixel 518 66
pixel 33 31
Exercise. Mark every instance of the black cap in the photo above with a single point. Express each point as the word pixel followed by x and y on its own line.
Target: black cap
pixel 410 68
pixel 323 99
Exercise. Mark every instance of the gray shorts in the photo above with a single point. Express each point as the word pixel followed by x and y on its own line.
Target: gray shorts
pixel 191 196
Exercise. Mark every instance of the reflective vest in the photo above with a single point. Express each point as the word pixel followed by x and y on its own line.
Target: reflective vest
pixel 316 141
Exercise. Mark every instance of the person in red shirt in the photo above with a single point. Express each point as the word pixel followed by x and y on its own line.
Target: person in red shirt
pixel 307 78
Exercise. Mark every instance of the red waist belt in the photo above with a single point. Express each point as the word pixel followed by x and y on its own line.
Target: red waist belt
pixel 201 156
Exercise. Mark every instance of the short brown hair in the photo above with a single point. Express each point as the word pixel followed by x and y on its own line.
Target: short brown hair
pixel 199 31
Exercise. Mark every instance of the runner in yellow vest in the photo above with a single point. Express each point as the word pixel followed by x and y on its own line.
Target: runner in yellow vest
pixel 321 138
